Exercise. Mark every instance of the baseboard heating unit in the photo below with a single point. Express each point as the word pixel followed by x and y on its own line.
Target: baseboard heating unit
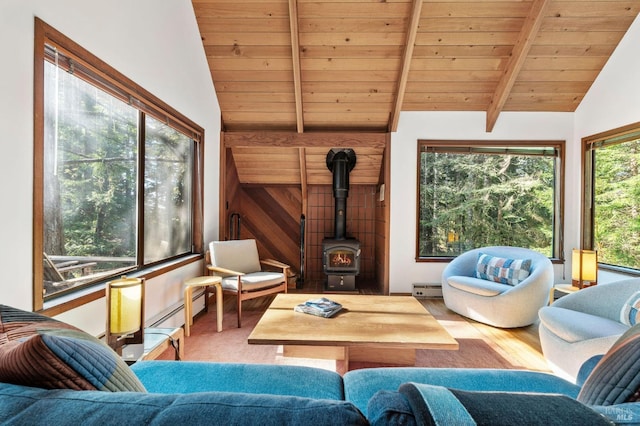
pixel 427 290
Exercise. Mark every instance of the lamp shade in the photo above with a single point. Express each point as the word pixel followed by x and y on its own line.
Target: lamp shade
pixel 125 306
pixel 584 266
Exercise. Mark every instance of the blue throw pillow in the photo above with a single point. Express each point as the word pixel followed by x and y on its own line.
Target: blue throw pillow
pixel 502 270
pixel 38 351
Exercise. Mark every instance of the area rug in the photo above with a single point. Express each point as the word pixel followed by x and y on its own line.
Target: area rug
pixel 230 345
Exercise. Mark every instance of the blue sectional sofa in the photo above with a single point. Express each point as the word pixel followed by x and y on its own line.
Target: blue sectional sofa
pixel 51 373
pixel 197 393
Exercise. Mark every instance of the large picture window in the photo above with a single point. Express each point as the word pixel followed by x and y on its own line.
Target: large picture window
pixel 611 215
pixel 476 194
pixel 117 183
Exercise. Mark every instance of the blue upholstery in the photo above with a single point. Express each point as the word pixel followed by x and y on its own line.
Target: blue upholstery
pixel 438 405
pixel 361 385
pixel 191 376
pixel 20 405
pixel 192 393
pixel 499 305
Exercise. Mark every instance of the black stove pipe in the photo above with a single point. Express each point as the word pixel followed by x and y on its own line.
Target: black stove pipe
pixel 341 162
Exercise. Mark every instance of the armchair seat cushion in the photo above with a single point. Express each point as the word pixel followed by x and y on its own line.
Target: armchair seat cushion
pixel 477 286
pixel 575 326
pixel 254 281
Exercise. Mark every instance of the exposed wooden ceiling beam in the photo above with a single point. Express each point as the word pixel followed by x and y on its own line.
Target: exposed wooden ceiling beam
pixel 304 140
pixel 412 31
pixel 516 60
pixel 295 56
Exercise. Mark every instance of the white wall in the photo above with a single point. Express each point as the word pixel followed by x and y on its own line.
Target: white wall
pixel 614 98
pixel 404 270
pixel 156 44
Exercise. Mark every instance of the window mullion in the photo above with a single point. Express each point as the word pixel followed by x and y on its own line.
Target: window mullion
pixel 142 134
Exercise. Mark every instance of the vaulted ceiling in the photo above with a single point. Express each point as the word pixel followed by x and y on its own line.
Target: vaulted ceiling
pixel 334 65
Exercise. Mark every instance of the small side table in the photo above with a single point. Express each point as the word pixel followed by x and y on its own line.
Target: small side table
pixel 156 341
pixel 204 281
pixel 562 288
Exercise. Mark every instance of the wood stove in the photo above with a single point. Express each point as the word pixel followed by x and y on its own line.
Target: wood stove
pixel 341 262
pixel 341 255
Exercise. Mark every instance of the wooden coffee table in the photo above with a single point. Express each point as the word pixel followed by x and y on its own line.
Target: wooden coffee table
pixel 386 329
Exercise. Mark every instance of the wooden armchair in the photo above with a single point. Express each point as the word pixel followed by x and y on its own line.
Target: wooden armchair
pixel 240 267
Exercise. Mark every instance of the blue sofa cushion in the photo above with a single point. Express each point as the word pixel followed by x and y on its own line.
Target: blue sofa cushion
pixel 194 376
pixel 38 351
pixel 502 270
pixel 616 377
pixel 24 405
pixel 361 385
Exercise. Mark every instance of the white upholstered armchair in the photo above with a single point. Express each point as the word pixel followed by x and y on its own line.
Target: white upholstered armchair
pixel 241 269
pixel 497 304
pixel 586 323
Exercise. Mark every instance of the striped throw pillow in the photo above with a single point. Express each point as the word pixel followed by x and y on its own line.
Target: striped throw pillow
pixel 616 377
pixel 39 351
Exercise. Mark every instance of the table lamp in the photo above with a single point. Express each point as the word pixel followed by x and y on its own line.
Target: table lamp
pixel 584 268
pixel 125 312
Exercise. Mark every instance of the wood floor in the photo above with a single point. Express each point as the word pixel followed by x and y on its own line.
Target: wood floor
pixel 480 345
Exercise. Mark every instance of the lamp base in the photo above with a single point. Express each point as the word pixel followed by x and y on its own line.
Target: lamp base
pixel 117 342
pixel 583 284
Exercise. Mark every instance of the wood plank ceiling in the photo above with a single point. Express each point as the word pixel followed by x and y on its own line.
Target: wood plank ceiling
pixel 334 65
pixel 309 66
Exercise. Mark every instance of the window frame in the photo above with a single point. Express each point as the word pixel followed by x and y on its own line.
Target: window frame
pixel 460 146
pixel 98 73
pixel 587 209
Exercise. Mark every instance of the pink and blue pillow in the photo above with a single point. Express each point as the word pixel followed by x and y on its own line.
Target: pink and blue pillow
pixel 38 351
